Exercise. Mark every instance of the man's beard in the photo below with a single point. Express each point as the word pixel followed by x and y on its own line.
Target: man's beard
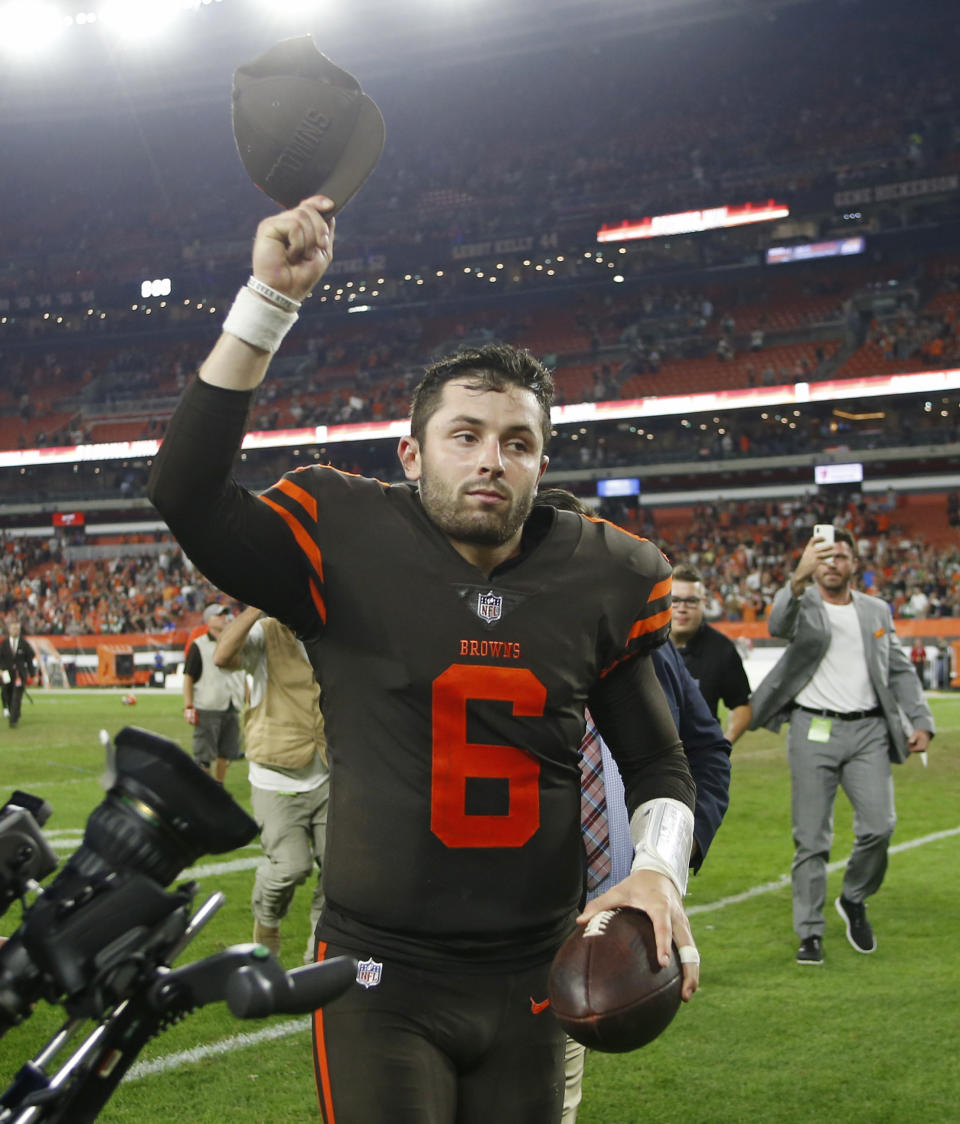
pixel 834 582
pixel 478 527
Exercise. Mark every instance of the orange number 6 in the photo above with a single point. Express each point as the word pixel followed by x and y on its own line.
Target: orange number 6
pixel 455 759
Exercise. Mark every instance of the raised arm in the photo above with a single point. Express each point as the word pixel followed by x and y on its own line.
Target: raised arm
pixel 229 650
pixel 236 540
pixel 291 253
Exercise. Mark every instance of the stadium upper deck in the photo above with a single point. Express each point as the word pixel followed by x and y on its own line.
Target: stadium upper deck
pixel 504 158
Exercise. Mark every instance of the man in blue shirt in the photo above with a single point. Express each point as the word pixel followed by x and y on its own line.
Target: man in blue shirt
pixel 708 753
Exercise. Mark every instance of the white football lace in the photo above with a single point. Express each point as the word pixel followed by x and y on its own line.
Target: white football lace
pixel 597 924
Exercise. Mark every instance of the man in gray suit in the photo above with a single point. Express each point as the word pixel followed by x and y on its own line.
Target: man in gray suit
pixel 845 685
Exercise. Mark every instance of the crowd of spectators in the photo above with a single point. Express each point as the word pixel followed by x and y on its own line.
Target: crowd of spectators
pixel 342 371
pixel 925 336
pixel 861 98
pixel 851 99
pixel 126 592
pixel 745 549
pixel 660 446
pixel 166 195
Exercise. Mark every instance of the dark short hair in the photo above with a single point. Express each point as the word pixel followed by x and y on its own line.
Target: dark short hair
pixel 561 499
pixel 841 534
pixel 493 366
pixel 684 572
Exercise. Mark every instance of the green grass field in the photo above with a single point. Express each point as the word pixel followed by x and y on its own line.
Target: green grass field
pixel 864 1039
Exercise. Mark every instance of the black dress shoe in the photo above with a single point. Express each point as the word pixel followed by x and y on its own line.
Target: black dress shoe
pixel 859 929
pixel 810 951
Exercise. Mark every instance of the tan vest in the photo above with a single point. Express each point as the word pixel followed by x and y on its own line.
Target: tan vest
pixel 217 688
pixel 285 729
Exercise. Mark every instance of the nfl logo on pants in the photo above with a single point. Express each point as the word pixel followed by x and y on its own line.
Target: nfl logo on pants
pixel 369 973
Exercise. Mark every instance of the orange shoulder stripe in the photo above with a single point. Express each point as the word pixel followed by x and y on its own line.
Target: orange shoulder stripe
pixel 300 495
pixel 661 589
pixel 306 544
pixel 650 624
pixel 615 526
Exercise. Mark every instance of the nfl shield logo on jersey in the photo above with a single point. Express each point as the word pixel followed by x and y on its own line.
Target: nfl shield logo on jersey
pixel 489 606
pixel 369 973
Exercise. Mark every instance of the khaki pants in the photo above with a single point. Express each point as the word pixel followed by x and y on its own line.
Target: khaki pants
pixel 293 828
pixel 574 1061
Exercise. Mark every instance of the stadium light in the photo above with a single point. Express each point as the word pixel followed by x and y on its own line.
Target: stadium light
pixel 28 28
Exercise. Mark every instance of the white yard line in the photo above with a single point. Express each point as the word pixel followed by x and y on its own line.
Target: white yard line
pixel 784 880
pixel 67 841
pixel 169 1062
pixel 212 870
pixel 29 786
pixel 224 1046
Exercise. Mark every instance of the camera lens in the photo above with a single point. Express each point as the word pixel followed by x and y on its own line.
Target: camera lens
pixel 160 814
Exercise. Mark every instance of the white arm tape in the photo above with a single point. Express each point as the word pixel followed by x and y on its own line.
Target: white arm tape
pixel 662 832
pixel 258 322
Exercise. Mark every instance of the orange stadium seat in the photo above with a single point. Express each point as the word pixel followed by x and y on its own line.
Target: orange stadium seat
pixel 869 360
pixel 119 429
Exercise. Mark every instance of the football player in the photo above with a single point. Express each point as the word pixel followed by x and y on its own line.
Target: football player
pixel 458 637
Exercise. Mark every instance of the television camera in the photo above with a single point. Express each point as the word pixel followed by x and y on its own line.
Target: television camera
pixel 100 939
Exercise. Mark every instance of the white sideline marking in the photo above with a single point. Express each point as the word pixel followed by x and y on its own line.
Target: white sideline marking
pixel 29 786
pixel 67 841
pixel 753 892
pixel 211 870
pixel 240 1041
pixel 784 879
pixel 224 1046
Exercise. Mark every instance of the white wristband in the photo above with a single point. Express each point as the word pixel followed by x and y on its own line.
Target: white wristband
pixel 281 300
pixel 258 322
pixel 662 832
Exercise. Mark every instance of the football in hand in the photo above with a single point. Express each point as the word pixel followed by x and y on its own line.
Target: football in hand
pixel 606 986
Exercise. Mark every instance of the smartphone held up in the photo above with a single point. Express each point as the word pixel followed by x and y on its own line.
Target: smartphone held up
pixel 826 532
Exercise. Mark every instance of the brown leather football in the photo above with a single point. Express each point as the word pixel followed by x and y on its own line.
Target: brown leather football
pixel 607 988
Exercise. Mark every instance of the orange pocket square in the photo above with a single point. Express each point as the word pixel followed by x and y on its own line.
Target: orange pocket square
pixel 879 632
